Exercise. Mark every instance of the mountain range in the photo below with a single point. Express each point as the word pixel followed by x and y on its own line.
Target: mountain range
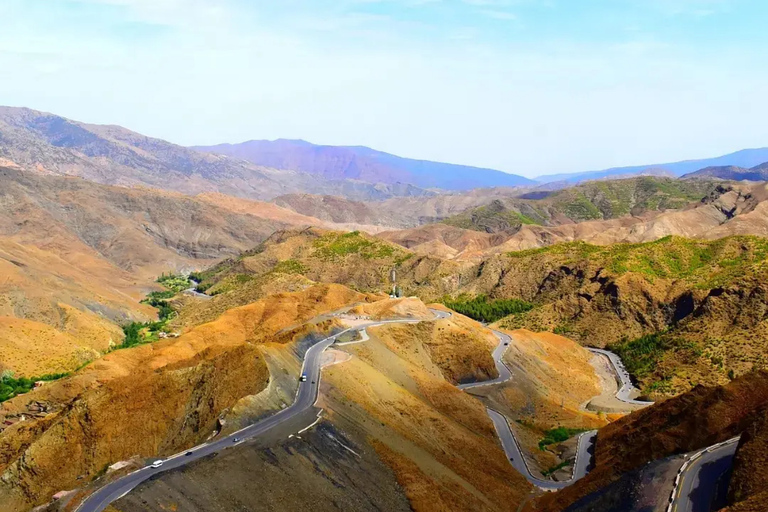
pixel 364 164
pixel 116 156
pixel 743 158
pixel 732 172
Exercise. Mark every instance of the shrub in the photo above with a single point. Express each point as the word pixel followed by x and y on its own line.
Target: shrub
pixel 558 435
pixel 11 387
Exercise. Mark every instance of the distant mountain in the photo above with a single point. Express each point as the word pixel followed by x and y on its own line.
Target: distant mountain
pixel 117 156
pixel 364 164
pixel 732 172
pixel 745 158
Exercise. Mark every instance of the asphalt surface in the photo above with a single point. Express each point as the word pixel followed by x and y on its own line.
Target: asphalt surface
pixel 498 354
pixel 515 454
pixel 509 443
pixel 305 398
pixel 704 483
pixel 627 389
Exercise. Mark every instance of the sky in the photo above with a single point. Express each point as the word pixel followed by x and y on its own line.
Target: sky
pixel 525 86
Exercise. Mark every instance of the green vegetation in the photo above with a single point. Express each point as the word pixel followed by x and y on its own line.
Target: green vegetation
pixel 291 267
pixel 11 386
pixel 484 310
pixel 165 294
pixel 704 264
pixel 616 198
pixel 553 469
pixel 336 245
pixel 491 218
pixel 641 356
pixel 558 435
pixel 138 333
pixel 580 208
pixel 174 282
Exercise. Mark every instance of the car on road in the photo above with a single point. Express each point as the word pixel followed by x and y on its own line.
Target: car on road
pixel 188 454
pixel 157 464
pixel 236 440
pixel 303 377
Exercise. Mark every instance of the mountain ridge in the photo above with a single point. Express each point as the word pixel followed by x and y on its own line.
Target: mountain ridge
pixel 114 155
pixel 365 164
pixel 742 158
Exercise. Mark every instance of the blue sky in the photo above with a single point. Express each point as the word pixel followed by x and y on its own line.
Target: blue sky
pixel 525 86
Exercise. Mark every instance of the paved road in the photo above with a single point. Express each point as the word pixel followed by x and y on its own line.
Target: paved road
pixel 515 454
pixel 193 291
pixel 498 357
pixel 509 443
pixel 704 482
pixel 305 398
pixel 627 389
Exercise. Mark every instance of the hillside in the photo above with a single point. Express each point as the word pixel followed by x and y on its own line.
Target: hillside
pixel 113 155
pixel 694 291
pixel 695 420
pixel 363 164
pixel 77 256
pixel 155 398
pixel 731 172
pixel 590 201
pixel 295 258
pixel 394 431
pixel 513 206
pixel 724 209
pixel 705 296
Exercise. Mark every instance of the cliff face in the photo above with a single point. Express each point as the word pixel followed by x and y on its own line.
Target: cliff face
pixel 697 419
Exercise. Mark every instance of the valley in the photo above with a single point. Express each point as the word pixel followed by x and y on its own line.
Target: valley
pixel 299 336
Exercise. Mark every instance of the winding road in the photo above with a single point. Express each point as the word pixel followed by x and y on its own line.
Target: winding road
pixel 306 397
pixel 507 437
pixel 703 481
pixel 627 388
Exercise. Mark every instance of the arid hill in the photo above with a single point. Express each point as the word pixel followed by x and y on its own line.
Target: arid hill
pixel 697 419
pixel 505 209
pixel 394 430
pixel 156 398
pixel 78 256
pixel 704 295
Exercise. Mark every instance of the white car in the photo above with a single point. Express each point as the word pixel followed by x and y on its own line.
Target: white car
pixel 157 464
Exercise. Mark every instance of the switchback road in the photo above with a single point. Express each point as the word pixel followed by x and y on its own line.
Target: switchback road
pixel 305 398
pixel 507 437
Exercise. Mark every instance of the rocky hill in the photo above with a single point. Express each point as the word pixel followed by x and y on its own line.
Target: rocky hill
pixel 364 164
pixel 594 200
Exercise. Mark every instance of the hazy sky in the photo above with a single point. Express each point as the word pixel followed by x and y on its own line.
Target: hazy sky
pixel 525 86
